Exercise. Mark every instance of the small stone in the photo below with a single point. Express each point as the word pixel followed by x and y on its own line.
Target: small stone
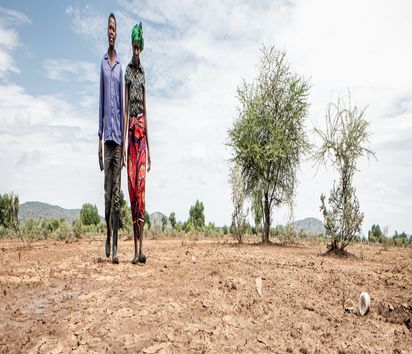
pixel 391 307
pixel 193 259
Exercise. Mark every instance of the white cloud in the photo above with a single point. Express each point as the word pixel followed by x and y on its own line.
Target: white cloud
pixel 66 69
pixel 9 39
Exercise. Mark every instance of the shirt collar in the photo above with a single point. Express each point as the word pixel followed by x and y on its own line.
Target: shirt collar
pixel 106 56
pixel 131 64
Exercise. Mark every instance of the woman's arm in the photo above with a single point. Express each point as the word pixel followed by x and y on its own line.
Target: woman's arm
pixel 147 132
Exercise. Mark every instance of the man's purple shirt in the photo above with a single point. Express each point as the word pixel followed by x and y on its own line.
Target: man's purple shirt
pixel 111 101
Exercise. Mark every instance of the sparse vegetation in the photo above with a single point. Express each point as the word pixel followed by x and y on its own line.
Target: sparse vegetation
pixel 89 214
pixel 268 139
pixel 344 141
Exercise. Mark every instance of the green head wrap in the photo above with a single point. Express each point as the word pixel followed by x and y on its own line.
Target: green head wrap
pixel 137 35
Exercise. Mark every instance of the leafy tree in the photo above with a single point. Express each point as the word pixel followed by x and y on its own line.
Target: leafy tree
pixel 375 234
pixel 268 139
pixel 239 214
pixel 400 239
pixel 343 142
pixel 147 219
pixel 164 223
pixel 9 210
pixel 89 214
pixel 197 216
pixel 257 211
pixel 172 220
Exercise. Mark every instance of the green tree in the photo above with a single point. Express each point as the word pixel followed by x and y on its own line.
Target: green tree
pixel 147 220
pixel 375 234
pixel 197 216
pixel 172 219
pixel 239 214
pixel 343 142
pixel 89 214
pixel 164 223
pixel 268 139
pixel 9 210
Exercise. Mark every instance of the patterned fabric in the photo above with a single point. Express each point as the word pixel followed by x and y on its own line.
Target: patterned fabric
pixel 136 166
pixel 135 80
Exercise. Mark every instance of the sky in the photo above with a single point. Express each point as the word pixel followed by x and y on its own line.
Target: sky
pixel 196 54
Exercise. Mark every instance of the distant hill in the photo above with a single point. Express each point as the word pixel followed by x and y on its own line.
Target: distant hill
pixel 311 226
pixel 41 211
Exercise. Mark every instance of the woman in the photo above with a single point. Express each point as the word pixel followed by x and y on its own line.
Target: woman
pixel 136 116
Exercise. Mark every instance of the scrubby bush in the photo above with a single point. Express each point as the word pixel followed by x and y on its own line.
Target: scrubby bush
pixel 89 214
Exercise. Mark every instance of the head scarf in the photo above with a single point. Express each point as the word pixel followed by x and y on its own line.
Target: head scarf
pixel 137 35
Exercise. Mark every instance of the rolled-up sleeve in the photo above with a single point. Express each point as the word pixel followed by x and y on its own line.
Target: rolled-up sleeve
pixel 101 101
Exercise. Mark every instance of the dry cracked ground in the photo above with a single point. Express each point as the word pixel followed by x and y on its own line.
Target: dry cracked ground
pixel 200 296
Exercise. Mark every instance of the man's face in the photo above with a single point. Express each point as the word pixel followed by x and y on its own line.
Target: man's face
pixel 111 32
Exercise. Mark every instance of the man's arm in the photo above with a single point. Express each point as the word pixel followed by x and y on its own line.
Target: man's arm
pixel 101 114
pixel 101 103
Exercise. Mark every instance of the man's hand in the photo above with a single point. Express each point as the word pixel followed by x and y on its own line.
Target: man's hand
pixel 100 154
pixel 123 156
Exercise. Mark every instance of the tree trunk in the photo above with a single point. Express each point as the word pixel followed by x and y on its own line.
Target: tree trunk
pixel 266 212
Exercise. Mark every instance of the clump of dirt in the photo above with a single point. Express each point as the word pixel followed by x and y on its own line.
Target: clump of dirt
pixel 396 313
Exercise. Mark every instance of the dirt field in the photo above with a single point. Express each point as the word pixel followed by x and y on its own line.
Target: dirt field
pixel 201 297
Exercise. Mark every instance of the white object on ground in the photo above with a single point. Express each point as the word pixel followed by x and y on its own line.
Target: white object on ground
pixel 364 303
pixel 259 285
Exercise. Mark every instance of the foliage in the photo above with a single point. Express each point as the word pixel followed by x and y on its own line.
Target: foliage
pixel 89 214
pixel 147 220
pixel 401 239
pixel 77 228
pixel 172 219
pixel 197 216
pixel 164 223
pixel 375 234
pixel 9 211
pixel 343 142
pixel 268 139
pixel 239 214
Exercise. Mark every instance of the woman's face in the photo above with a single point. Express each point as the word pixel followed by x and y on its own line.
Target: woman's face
pixel 136 52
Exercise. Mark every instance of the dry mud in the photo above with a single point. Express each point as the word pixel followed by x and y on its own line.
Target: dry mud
pixel 200 296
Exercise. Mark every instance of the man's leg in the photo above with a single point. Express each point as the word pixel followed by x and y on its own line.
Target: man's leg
pixel 117 169
pixel 108 177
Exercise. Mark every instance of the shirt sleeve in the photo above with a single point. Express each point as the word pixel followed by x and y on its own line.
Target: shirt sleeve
pixel 101 101
pixel 127 76
pixel 143 80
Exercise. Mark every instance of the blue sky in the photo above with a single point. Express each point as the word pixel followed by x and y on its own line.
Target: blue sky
pixel 196 53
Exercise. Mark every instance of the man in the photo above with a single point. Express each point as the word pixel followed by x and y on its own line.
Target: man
pixel 111 130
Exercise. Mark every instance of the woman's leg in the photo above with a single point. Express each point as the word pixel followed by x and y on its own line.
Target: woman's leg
pixel 142 257
pixel 136 240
